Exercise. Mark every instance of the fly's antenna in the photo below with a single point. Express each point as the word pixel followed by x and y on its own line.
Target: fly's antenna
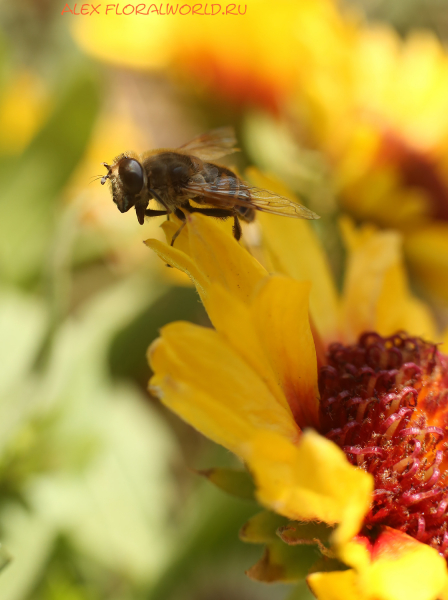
pixel 103 179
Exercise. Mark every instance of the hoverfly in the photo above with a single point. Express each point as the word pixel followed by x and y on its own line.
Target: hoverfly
pixel 174 177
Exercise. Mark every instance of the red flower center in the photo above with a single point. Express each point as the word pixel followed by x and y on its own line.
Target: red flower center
pixel 384 401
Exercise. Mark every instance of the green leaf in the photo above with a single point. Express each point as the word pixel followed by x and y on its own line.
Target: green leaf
pixel 292 548
pixel 283 563
pixel 30 540
pixel 295 533
pixel 262 528
pixel 301 591
pixel 23 320
pixel 5 557
pixel 326 564
pixel 236 483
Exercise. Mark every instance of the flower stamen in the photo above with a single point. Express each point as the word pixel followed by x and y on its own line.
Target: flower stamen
pixel 383 401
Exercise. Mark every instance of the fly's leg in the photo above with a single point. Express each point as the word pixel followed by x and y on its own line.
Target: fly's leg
pixel 180 215
pixel 219 213
pixel 237 231
pixel 155 213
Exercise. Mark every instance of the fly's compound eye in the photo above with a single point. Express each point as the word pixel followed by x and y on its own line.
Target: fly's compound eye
pixel 131 175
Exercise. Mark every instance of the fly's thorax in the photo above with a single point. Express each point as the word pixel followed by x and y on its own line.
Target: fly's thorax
pixel 168 169
pixel 168 173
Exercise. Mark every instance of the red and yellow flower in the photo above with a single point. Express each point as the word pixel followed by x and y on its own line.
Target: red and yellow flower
pixel 340 419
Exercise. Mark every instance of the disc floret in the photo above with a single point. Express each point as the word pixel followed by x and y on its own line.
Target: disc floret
pixel 384 401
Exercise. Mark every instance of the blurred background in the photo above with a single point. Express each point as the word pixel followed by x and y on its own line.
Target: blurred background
pixel 346 103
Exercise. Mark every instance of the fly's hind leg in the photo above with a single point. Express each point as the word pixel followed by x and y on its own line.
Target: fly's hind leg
pixel 237 231
pixel 219 213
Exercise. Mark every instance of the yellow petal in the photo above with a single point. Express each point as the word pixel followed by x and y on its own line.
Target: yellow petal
pixel 339 585
pixel 376 293
pixel 222 259
pixel 296 252
pixel 233 319
pixel 395 567
pixel 170 228
pixel 180 260
pixel 211 255
pixel 280 314
pixel 443 595
pixel 427 252
pixel 398 310
pixel 444 344
pixel 311 481
pixel 201 378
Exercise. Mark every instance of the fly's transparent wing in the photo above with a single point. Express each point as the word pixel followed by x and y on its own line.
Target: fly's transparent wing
pixel 224 191
pixel 267 201
pixel 212 145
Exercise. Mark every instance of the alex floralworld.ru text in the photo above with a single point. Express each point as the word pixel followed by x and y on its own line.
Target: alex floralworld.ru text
pixel 159 9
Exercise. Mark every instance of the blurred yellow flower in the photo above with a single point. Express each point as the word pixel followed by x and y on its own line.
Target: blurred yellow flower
pixel 273 368
pixel 388 141
pixel 249 57
pixel 375 106
pixel 24 105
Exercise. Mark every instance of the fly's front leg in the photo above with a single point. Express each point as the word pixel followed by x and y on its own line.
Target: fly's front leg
pixel 155 213
pixel 180 215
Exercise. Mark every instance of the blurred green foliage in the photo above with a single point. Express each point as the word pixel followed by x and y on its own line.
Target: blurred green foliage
pixel 32 182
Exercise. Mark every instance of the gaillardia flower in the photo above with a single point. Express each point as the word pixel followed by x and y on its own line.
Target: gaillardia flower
pixel 336 403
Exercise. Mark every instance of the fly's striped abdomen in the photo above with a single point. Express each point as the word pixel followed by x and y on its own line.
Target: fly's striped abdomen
pixel 246 213
pixel 229 184
pixel 224 182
